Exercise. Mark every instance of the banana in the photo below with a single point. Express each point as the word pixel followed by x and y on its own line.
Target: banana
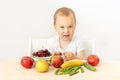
pixel 73 62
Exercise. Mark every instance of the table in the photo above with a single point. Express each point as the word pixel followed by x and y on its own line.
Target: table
pixel 12 70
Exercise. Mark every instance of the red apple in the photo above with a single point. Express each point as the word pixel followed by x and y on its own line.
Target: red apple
pixel 27 62
pixel 93 59
pixel 57 61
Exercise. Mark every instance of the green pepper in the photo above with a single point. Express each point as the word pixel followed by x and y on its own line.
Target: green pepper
pixel 82 70
pixel 90 67
pixel 67 72
pixel 75 68
pixel 72 73
pixel 57 71
pixel 67 69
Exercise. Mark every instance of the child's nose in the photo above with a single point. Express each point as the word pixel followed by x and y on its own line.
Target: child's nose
pixel 66 30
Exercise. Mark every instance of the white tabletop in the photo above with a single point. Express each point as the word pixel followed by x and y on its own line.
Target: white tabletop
pixel 12 70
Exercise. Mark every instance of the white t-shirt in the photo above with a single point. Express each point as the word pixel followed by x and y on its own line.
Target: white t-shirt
pixel 75 45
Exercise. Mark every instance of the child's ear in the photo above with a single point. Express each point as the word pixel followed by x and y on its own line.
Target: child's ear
pixel 55 27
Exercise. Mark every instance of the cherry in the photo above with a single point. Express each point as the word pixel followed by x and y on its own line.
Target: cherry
pixel 41 53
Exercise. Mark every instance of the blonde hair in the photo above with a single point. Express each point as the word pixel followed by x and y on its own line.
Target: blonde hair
pixel 64 11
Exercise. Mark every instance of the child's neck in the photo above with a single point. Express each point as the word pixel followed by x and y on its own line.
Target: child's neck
pixel 64 44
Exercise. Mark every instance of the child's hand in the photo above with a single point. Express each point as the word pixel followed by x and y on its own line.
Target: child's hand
pixel 68 55
pixel 57 53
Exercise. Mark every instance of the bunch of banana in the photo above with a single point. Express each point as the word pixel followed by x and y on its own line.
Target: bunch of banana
pixel 73 62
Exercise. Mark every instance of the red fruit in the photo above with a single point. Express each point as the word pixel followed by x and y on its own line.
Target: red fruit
pixel 57 61
pixel 93 60
pixel 27 62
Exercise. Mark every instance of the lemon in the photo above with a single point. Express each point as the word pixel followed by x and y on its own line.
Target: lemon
pixel 42 65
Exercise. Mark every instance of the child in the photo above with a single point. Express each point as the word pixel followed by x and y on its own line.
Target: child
pixel 65 42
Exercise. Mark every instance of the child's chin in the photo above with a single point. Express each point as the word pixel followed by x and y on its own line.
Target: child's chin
pixel 67 39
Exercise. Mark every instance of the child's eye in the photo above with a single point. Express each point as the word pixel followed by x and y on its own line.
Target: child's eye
pixel 61 26
pixel 70 26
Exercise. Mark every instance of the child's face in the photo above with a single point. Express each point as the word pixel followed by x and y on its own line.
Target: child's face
pixel 65 26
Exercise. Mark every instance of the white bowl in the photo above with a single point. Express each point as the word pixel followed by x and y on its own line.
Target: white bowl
pixel 45 58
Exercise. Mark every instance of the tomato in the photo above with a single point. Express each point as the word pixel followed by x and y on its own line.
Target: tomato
pixel 93 59
pixel 27 62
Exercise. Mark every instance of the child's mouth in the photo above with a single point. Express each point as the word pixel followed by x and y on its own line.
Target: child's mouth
pixel 66 35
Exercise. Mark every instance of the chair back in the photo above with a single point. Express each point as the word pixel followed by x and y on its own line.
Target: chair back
pixel 36 44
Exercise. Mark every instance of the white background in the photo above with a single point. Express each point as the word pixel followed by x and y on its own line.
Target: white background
pixel 96 19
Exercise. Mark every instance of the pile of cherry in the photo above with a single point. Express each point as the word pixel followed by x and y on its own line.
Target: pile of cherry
pixel 41 53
